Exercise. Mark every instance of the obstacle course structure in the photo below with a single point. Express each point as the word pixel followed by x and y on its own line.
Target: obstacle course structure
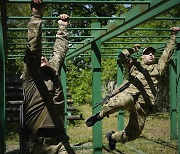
pixel 101 42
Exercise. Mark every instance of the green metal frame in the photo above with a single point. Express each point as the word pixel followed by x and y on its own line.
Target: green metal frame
pixel 63 81
pixel 96 90
pixel 97 45
pixel 2 93
pixel 173 102
pixel 3 47
pixel 136 16
pixel 120 78
pixel 84 1
pixel 178 89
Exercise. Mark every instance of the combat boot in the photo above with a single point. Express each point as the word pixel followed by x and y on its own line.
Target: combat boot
pixel 93 119
pixel 112 143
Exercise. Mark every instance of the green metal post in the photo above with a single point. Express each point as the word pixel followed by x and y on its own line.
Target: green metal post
pixel 96 92
pixel 2 93
pixel 173 102
pixel 178 88
pixel 119 82
pixel 63 81
pixel 3 49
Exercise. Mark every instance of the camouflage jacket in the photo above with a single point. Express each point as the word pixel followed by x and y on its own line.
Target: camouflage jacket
pixel 42 85
pixel 144 78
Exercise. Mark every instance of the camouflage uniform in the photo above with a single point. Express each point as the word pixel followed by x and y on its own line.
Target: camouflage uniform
pixel 42 87
pixel 139 97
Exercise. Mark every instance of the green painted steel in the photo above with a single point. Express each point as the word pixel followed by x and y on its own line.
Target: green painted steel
pixel 3 49
pixel 108 53
pixel 136 16
pixel 140 29
pixel 2 93
pixel 129 36
pixel 84 1
pixel 178 89
pixel 120 77
pixel 144 36
pixel 167 18
pixel 63 81
pixel 173 101
pixel 152 29
pixel 96 17
pixel 43 43
pixel 96 91
pixel 135 43
pixel 25 37
pixel 55 29
pixel 71 18
pixel 24 43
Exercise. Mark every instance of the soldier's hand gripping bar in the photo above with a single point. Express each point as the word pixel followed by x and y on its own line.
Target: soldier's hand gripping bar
pixel 105 100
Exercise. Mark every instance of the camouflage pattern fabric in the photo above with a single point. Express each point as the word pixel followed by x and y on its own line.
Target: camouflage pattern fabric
pixel 140 96
pixel 38 82
pixel 49 75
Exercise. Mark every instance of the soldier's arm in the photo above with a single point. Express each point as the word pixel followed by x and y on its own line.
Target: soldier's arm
pixel 125 55
pixel 34 46
pixel 168 51
pixel 61 44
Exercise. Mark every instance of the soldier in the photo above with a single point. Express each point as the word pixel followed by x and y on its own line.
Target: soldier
pixel 139 95
pixel 43 94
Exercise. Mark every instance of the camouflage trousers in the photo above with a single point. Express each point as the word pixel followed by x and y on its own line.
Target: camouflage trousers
pixel 41 145
pixel 138 113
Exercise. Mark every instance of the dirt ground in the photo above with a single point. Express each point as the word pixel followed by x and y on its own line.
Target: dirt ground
pixel 155 138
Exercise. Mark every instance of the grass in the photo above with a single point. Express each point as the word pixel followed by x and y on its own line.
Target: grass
pixel 155 138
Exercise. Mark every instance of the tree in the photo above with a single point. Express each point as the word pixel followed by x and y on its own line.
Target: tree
pixel 79 69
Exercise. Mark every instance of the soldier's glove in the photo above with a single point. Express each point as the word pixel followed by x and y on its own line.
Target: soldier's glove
pixel 64 18
pixel 175 30
pixel 136 47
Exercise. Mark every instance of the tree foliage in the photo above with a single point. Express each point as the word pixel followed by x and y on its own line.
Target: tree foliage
pixel 79 69
pixel 79 80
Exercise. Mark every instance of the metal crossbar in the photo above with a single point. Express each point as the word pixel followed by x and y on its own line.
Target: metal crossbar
pixel 85 1
pixel 109 39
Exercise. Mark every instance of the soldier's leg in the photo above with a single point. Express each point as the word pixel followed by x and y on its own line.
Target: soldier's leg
pixel 133 129
pixel 120 101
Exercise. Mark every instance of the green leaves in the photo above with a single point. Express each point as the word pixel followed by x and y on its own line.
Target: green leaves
pixel 79 82
pixel 79 79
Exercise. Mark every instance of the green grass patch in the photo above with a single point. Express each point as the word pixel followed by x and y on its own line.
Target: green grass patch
pixel 155 138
